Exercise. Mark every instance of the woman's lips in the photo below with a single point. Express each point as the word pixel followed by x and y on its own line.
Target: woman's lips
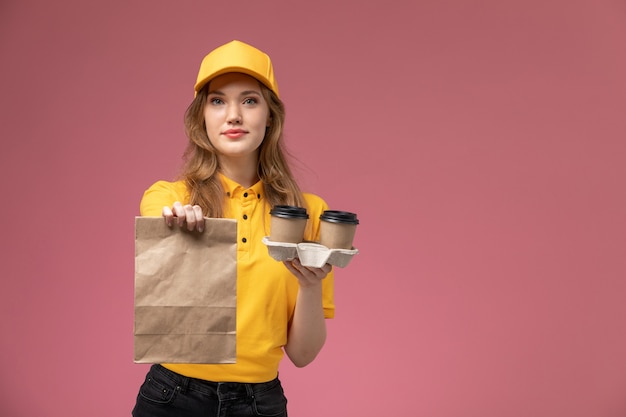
pixel 234 133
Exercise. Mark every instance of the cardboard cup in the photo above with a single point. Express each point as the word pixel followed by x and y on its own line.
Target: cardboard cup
pixel 287 224
pixel 337 229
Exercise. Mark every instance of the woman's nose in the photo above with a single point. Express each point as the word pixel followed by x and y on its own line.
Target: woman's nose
pixel 234 115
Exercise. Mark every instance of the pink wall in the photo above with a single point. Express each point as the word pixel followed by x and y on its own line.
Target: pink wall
pixel 481 142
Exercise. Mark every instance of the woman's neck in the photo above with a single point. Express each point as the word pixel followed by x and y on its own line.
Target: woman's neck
pixel 242 172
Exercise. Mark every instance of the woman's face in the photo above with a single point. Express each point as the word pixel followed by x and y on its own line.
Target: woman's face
pixel 236 117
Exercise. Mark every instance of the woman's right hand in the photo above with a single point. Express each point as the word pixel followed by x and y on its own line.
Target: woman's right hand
pixel 187 214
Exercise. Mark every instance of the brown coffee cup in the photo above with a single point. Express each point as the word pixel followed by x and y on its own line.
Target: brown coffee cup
pixel 287 224
pixel 337 229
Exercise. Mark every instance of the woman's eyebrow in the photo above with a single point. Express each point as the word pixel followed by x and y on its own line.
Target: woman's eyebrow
pixel 243 93
pixel 248 92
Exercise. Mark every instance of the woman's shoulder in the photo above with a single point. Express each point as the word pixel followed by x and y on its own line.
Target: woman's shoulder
pixel 169 186
pixel 315 203
pixel 163 193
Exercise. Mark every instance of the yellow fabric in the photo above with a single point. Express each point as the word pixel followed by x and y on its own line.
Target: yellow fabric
pixel 266 290
pixel 236 56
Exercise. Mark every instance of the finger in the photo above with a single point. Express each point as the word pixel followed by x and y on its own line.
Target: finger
pixel 319 273
pixel 179 212
pixel 167 213
pixel 297 265
pixel 190 216
pixel 304 271
pixel 290 266
pixel 199 217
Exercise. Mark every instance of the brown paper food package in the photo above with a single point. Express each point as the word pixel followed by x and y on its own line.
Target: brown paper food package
pixel 185 292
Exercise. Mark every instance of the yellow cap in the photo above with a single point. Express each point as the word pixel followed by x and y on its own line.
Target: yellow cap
pixel 237 56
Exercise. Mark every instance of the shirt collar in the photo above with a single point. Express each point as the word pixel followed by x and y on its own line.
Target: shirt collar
pixel 235 190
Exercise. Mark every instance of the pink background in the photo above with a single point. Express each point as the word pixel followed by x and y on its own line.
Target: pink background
pixel 482 144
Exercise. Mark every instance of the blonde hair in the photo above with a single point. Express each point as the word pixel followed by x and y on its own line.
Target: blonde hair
pixel 201 166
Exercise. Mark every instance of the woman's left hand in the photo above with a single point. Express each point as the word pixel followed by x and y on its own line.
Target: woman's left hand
pixel 307 276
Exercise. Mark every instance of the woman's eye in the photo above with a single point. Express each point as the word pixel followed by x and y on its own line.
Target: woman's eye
pixel 215 101
pixel 250 101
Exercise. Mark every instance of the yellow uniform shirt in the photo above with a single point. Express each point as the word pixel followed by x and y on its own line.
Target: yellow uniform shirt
pixel 266 290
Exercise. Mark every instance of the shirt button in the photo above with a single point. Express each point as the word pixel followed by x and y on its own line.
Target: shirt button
pixel 245 194
pixel 258 196
pixel 245 217
pixel 244 240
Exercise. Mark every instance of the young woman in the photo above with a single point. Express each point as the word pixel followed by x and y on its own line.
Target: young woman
pixel 236 167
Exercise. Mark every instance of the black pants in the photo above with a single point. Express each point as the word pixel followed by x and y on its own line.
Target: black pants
pixel 168 394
